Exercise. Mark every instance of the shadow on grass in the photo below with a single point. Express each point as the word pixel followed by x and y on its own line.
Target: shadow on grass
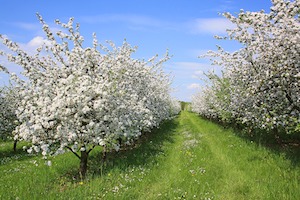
pixel 286 144
pixel 278 143
pixel 7 152
pixel 144 152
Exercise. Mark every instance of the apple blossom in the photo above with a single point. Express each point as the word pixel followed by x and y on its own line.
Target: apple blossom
pixel 262 78
pixel 8 105
pixel 77 97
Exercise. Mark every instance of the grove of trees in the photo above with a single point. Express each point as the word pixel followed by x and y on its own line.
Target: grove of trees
pixel 72 97
pixel 76 98
pixel 260 84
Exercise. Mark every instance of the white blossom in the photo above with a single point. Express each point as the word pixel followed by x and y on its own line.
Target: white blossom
pixel 260 82
pixel 77 97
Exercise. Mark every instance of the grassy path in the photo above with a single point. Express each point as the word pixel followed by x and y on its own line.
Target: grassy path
pixel 244 170
pixel 187 158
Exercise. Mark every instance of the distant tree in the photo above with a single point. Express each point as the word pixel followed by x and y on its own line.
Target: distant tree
pixel 9 99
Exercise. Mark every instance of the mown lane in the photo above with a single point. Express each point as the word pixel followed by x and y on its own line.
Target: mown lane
pixel 220 165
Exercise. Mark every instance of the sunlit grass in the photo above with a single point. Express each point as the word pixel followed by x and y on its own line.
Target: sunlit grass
pixel 187 158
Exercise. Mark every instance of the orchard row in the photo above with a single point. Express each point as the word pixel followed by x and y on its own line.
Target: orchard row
pixel 77 98
pixel 260 83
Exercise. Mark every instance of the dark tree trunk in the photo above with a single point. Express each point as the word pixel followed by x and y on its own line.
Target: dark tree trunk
pixel 15 145
pixel 83 163
pixel 277 136
pixel 104 154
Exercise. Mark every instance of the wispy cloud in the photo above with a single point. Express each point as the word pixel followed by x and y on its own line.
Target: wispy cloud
pixel 194 86
pixel 36 28
pixel 132 21
pixel 125 18
pixel 189 76
pixel 225 6
pixel 187 71
pixel 187 65
pixel 144 23
pixel 210 25
pixel 31 46
pixel 28 26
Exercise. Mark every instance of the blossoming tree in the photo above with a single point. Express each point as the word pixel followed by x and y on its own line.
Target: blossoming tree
pixel 77 98
pixel 263 76
pixel 8 106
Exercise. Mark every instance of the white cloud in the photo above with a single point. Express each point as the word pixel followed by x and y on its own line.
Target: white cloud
pixel 198 74
pixel 188 65
pixel 194 86
pixel 198 52
pixel 189 77
pixel 186 71
pixel 210 25
pixel 31 46
pixel 37 41
pixel 183 71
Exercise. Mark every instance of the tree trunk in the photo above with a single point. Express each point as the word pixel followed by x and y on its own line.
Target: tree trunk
pixel 83 163
pixel 104 154
pixel 277 136
pixel 15 145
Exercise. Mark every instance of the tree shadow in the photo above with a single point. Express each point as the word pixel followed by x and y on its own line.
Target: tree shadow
pixel 279 143
pixel 144 152
pixel 8 153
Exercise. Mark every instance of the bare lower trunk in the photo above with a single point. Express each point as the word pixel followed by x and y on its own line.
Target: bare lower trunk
pixel 15 145
pixel 83 163
pixel 104 154
pixel 277 136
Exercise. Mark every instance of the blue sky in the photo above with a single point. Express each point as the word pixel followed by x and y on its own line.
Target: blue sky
pixel 185 27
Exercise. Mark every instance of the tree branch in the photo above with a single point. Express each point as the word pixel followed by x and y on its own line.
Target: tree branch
pixel 73 152
pixel 91 149
pixel 287 95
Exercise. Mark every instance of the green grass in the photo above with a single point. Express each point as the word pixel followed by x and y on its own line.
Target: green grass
pixel 187 158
